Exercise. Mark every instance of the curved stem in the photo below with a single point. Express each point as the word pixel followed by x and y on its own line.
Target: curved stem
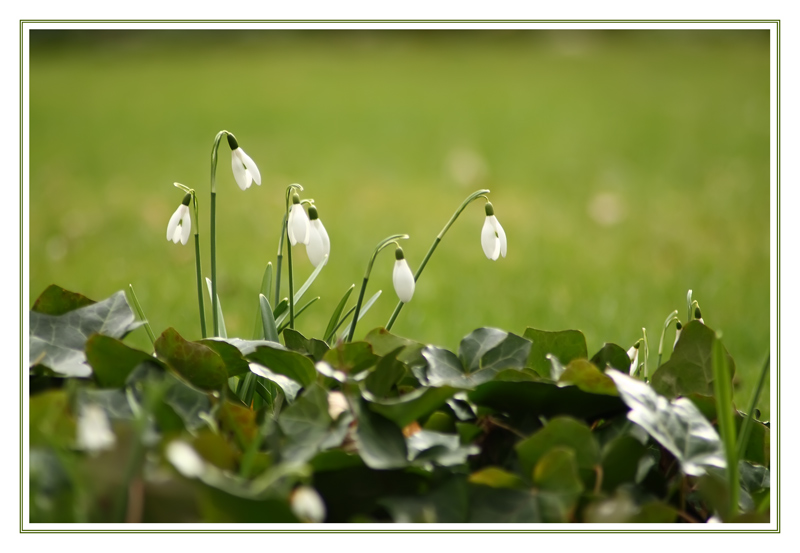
pixel 381 245
pixel 214 307
pixel 471 198
pixel 285 232
pixel 672 317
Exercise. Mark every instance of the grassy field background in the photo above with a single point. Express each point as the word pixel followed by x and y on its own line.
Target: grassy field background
pixel 626 167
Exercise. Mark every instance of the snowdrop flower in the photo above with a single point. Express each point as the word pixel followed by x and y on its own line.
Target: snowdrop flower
pixel 307 505
pixel 493 237
pixel 180 224
pixel 678 328
pixel 94 429
pixel 298 225
pixel 319 245
pixel 633 355
pixel 402 278
pixel 184 458
pixel 244 168
pixel 698 315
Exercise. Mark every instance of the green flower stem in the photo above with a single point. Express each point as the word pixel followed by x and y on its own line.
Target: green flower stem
pixel 198 267
pixel 285 232
pixel 672 317
pixel 291 285
pixel 279 263
pixel 214 307
pixel 471 198
pixel 385 242
pixel 140 313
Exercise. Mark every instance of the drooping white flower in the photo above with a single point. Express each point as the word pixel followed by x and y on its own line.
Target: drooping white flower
pixel 94 429
pixel 298 224
pixel 184 458
pixel 678 328
pixel 180 224
pixel 493 237
pixel 307 505
pixel 244 168
pixel 319 245
pixel 633 355
pixel 402 278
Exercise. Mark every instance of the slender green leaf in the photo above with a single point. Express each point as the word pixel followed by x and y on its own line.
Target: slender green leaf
pixel 283 323
pixel 299 294
pixel 723 393
pixel 363 312
pixel 268 323
pixel 333 323
pixel 223 333
pixel 266 288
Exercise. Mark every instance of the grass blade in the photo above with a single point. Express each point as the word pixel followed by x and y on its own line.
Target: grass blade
pixel 340 323
pixel 724 398
pixel 281 308
pixel 308 282
pixel 332 324
pixel 223 333
pixel 363 312
pixel 266 287
pixel 280 321
pixel 267 320
pixel 744 431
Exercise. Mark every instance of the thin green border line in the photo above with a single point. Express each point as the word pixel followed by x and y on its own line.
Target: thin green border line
pixel 777 22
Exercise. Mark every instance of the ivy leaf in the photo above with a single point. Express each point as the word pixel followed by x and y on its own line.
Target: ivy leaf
pixel 58 341
pixel 612 355
pixel 380 442
pixel 412 406
pixel 55 300
pixel 280 360
pixel 689 370
pixel 112 361
pixel 677 425
pixel 565 345
pixel 196 363
pixel 564 432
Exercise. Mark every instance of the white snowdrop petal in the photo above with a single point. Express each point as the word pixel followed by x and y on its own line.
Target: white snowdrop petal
pixel 184 458
pixel 298 221
pixel 314 249
pixel 239 171
pixel 176 236
pixel 489 240
pixel 186 227
pixel 94 429
pixel 307 505
pixel 501 235
pixel 173 223
pixel 403 280
pixel 250 165
pixel 677 336
pixel 634 362
pixel 326 242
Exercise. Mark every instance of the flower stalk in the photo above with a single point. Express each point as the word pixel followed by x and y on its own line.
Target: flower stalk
pixel 471 198
pixel 381 245
pixel 214 150
pixel 672 317
pixel 290 191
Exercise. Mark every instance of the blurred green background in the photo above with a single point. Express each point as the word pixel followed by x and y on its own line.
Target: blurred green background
pixel 625 166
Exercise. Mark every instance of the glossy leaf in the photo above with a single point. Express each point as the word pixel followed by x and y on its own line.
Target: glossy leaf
pixel 556 477
pixel 586 376
pixel 312 347
pixel 677 425
pixel 351 357
pixel 412 406
pixel 565 345
pixel 612 355
pixel 380 442
pixel 306 423
pixel 289 387
pixel 57 301
pixel 112 361
pixel 387 373
pixel 58 341
pixel 196 363
pixel 235 363
pixel 690 369
pixel 280 360
pixel 497 478
pixel 560 431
